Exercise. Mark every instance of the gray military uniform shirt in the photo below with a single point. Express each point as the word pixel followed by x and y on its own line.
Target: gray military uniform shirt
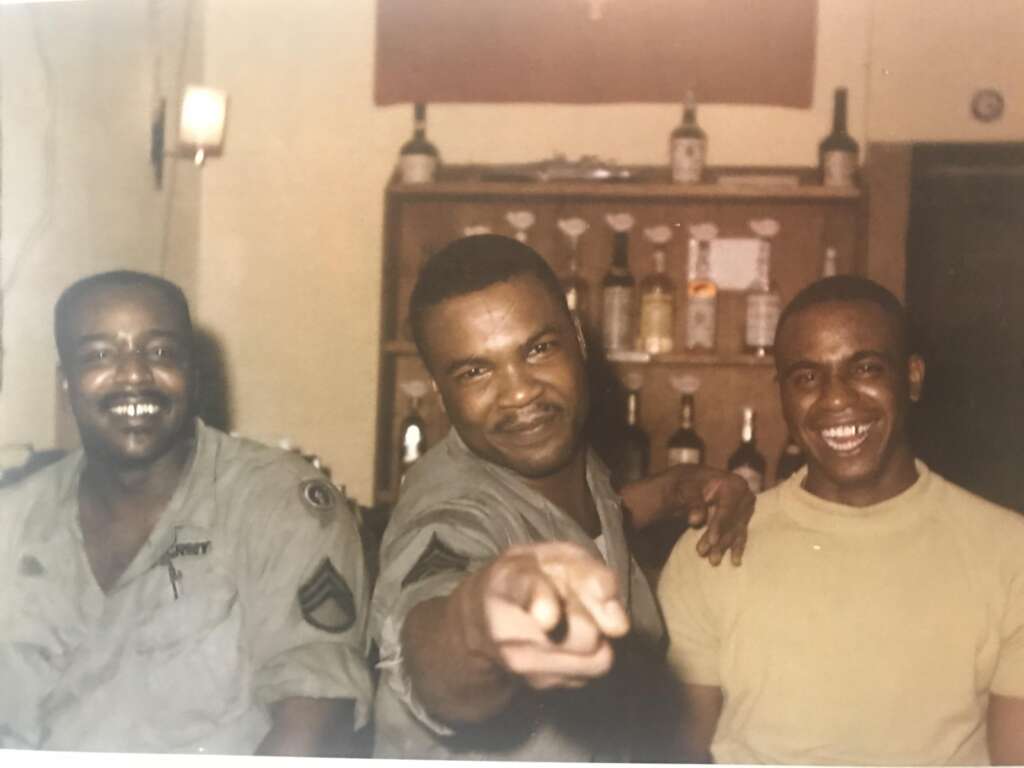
pixel 456 513
pixel 250 589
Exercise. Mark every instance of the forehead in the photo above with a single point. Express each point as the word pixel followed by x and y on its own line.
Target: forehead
pixel 836 329
pixel 504 314
pixel 123 309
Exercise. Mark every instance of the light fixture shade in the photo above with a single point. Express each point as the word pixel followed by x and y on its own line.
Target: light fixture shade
pixel 202 117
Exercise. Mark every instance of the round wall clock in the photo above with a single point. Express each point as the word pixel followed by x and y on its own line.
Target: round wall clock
pixel 987 105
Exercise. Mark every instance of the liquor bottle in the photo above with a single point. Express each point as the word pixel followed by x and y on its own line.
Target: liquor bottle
pixel 701 299
pixel 657 308
pixel 838 151
pixel 418 158
pixel 746 461
pixel 412 442
pixel 636 446
pixel 763 307
pixel 688 146
pixel 577 292
pixel 685 446
pixel 790 460
pixel 618 299
pixel 830 265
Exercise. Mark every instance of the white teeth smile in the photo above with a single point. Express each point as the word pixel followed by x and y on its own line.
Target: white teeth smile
pixel 845 438
pixel 131 410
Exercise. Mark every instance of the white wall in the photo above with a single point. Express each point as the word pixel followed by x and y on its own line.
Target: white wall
pixel 79 85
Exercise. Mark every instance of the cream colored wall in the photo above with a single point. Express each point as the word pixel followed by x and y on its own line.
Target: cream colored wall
pixel 291 229
pixel 928 57
pixel 78 84
pixel 281 250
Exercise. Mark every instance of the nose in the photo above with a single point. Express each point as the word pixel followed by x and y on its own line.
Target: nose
pixel 518 386
pixel 836 393
pixel 133 368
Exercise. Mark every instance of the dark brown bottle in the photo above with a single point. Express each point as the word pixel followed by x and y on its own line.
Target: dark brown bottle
pixel 837 153
pixel 636 446
pixel 685 446
pixel 418 158
pixel 746 461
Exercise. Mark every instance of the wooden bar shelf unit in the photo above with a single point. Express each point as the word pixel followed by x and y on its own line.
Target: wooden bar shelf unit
pixel 420 218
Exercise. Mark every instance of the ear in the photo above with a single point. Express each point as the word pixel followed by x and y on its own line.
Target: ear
pixel 915 377
pixel 440 399
pixel 580 338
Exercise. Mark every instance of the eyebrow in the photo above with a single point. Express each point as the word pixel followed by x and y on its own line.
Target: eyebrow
pixel 91 338
pixel 856 357
pixel 547 330
pixel 455 365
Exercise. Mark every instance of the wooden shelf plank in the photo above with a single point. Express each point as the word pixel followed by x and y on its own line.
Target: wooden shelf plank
pixel 650 183
pixel 401 348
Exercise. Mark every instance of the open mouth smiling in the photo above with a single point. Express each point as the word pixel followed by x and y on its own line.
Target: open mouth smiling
pixel 134 407
pixel 846 438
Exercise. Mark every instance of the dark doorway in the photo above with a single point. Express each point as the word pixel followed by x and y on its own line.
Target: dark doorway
pixel 965 277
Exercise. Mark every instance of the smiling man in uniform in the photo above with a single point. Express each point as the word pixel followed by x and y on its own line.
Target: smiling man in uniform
pixel 512 621
pixel 169 588
pixel 879 616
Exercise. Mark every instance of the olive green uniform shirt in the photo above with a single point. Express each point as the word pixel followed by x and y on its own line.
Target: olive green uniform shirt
pixel 457 512
pixel 250 589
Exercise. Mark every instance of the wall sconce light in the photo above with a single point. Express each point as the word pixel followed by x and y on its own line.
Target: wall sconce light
pixel 200 132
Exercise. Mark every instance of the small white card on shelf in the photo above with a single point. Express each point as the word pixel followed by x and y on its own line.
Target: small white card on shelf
pixel 733 262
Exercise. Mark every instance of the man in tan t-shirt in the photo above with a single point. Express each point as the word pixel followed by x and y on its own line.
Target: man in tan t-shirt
pixel 879 616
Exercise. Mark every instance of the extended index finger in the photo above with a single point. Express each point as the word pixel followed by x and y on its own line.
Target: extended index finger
pixel 580 576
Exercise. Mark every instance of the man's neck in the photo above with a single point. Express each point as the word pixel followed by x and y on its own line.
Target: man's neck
pixel 119 491
pixel 897 477
pixel 567 489
pixel 119 507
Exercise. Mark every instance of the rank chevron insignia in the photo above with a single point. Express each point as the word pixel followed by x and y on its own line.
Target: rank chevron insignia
pixel 326 600
pixel 437 558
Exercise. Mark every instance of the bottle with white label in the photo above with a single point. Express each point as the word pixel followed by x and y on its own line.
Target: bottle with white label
pixel 685 446
pixel 418 159
pixel 618 299
pixel 746 461
pixel 763 307
pixel 657 308
pixel 838 151
pixel 688 145
pixel 701 299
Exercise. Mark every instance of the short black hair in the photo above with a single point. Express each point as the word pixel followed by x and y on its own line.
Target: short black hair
pixel 123 278
pixel 851 288
pixel 471 264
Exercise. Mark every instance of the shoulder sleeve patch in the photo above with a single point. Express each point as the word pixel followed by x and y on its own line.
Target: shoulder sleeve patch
pixel 326 601
pixel 319 498
pixel 437 558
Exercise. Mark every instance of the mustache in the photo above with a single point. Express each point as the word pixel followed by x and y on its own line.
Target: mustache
pixel 149 395
pixel 524 419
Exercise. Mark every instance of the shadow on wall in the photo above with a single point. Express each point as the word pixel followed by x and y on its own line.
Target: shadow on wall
pixel 214 383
